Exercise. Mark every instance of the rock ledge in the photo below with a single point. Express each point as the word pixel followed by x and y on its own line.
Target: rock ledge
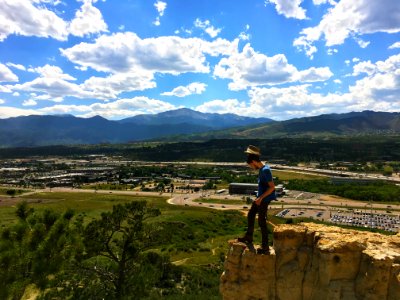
pixel 313 261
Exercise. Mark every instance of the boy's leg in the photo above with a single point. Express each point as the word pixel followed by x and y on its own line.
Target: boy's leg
pixel 262 222
pixel 251 216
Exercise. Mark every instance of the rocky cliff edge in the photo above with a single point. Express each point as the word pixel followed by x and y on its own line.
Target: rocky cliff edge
pixel 313 261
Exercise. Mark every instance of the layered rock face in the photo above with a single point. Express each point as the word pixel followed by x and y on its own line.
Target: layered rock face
pixel 313 261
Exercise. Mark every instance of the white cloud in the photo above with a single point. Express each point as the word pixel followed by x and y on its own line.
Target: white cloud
pixel 379 90
pixel 395 45
pixel 160 6
pixel 122 108
pixel 15 94
pixel 54 85
pixel 250 68
pixel 331 51
pixel 111 86
pixel 5 89
pixel 126 52
pixel 2 101
pixel 55 89
pixel 363 44
pixel 349 18
pixel 313 75
pixel 364 67
pixel 233 106
pixel 244 36
pixel 319 2
pixel 8 112
pixel 382 83
pixel 29 102
pixel 88 20
pixel 279 103
pixel 16 66
pixel 53 72
pixel 6 75
pixel 183 91
pixel 207 27
pixel 29 18
pixel 289 8
pixel 33 18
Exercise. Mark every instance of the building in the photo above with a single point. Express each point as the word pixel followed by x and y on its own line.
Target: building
pixel 252 188
pixel 243 188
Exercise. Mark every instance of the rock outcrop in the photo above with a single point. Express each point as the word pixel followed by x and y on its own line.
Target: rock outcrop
pixel 313 262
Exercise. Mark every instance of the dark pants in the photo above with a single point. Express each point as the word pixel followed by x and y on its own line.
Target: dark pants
pixel 261 210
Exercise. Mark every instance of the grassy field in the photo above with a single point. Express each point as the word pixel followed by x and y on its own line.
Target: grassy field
pixel 202 233
pixel 3 191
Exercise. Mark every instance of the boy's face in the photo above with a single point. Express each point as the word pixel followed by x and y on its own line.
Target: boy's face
pixel 250 163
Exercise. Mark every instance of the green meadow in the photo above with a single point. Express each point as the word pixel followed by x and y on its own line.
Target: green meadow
pixel 198 239
pixel 202 231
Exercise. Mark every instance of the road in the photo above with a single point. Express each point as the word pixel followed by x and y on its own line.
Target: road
pixel 294 200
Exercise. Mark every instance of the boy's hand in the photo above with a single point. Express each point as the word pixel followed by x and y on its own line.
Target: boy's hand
pixel 258 201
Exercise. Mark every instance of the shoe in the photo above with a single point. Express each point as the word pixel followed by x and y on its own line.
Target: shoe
pixel 245 239
pixel 263 251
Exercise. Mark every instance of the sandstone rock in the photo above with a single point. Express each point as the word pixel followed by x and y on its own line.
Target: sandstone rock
pixel 314 261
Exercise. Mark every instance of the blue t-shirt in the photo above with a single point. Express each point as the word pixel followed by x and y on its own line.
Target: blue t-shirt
pixel 265 176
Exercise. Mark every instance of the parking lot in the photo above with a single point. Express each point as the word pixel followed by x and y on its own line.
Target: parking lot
pixel 319 214
pixel 350 218
pixel 362 219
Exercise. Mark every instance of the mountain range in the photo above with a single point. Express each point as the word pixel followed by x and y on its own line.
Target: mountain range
pixel 185 124
pixel 38 130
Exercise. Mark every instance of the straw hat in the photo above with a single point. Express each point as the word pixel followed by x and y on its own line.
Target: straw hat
pixel 253 150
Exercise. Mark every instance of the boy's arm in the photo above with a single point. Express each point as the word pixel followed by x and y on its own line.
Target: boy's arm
pixel 271 188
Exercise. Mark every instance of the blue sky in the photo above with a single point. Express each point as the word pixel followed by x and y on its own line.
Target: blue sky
pixel 279 59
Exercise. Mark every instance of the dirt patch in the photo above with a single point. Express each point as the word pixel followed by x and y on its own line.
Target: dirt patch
pixel 332 198
pixel 8 201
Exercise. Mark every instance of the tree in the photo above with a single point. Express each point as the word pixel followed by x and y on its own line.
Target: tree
pixel 387 170
pixel 38 245
pixel 117 263
pixel 11 193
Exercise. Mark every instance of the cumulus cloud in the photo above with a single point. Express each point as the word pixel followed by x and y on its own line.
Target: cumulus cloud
pixel 16 66
pixel 280 103
pixel 160 6
pixel 319 2
pixel 32 18
pixel 350 18
pixel 49 71
pixel 6 75
pixel 183 91
pixel 23 17
pixel 2 101
pixel 250 68
pixel 54 85
pixel 126 52
pixel 29 102
pixel 207 27
pixel 381 84
pixel 377 90
pixel 232 106
pixel 395 45
pixel 54 89
pixel 289 8
pixel 88 20
pixel 364 67
pixel 118 109
pixel 111 86
pixel 8 112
